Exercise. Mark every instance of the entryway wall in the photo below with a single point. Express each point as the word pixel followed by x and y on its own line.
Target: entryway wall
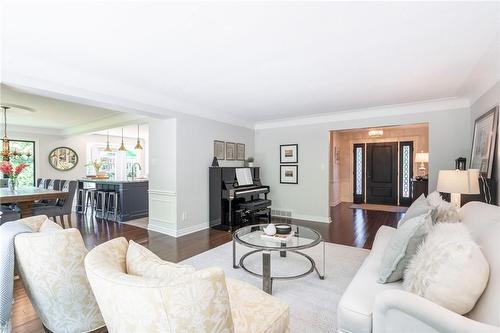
pixel 341 151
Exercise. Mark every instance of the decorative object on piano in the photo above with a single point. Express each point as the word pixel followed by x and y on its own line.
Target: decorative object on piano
pixel 422 158
pixel 483 142
pixel 240 151
pixel 289 153
pixel 63 158
pixel 250 163
pixel 219 149
pixel 12 172
pixel 288 174
pixel 215 163
pixel 230 151
pixel 270 230
pixel 283 229
pixel 461 163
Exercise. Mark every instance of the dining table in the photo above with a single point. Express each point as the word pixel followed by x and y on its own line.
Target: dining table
pixel 25 197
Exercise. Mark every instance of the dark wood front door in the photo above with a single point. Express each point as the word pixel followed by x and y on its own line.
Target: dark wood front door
pixel 382 173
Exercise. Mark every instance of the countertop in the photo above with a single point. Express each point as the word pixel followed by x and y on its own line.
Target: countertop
pixel 112 181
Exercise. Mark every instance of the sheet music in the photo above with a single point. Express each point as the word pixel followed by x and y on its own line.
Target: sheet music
pixel 244 176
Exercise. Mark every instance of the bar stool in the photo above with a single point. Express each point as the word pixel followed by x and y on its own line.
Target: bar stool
pixel 89 196
pixel 113 199
pixel 80 200
pixel 100 203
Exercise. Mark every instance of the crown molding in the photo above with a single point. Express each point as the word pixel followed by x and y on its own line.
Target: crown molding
pixel 371 112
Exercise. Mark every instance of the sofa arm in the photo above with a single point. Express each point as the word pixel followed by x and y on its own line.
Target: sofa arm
pixel 400 311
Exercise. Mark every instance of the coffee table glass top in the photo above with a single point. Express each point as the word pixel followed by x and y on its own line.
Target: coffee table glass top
pixel 251 236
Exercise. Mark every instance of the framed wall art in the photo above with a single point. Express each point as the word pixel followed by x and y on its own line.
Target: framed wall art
pixel 289 153
pixel 230 151
pixel 289 174
pixel 219 151
pixel 63 158
pixel 483 142
pixel 240 151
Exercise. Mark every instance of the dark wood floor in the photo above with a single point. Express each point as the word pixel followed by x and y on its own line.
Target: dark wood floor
pixel 353 227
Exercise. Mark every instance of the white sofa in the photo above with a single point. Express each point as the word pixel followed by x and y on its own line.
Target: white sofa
pixel 368 306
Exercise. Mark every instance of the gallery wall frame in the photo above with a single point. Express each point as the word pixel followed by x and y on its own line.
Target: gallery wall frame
pixel 230 151
pixel 484 142
pixel 219 149
pixel 289 153
pixel 289 174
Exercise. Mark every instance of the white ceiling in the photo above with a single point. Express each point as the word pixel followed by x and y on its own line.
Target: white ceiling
pixel 128 131
pixel 47 112
pixel 250 61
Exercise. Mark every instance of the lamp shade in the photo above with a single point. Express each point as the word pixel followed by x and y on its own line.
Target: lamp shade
pixel 458 181
pixel 422 158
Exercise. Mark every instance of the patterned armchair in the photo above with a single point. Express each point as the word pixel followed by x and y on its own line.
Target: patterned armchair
pixel 50 262
pixel 200 301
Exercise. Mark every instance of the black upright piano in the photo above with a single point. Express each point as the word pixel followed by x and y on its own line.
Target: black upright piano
pixel 233 205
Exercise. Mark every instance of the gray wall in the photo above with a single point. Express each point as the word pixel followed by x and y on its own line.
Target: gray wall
pixel 449 138
pixel 483 104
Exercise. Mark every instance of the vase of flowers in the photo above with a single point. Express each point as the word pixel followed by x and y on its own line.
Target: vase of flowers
pixel 12 172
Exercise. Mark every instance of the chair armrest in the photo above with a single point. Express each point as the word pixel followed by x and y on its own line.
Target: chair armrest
pixel 401 311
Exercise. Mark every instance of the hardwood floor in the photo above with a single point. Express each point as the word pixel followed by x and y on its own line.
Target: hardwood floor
pixel 353 227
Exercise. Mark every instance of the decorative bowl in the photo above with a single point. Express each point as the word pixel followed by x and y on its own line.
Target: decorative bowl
pixel 283 229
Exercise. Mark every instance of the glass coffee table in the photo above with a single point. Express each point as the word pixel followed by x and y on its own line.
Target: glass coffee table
pixel 303 238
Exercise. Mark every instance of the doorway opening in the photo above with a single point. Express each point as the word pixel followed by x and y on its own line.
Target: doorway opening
pixel 376 166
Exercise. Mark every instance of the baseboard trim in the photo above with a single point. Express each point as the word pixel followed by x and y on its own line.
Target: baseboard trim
pixel 173 231
pixel 313 218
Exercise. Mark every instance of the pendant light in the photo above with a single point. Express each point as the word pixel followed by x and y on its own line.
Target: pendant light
pixel 138 145
pixel 122 147
pixel 108 149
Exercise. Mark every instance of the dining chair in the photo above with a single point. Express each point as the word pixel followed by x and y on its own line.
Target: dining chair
pixel 62 207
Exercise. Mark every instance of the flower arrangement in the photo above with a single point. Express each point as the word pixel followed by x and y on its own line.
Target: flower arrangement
pixel 97 164
pixel 12 172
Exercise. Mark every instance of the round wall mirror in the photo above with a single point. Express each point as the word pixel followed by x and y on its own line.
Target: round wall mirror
pixel 63 158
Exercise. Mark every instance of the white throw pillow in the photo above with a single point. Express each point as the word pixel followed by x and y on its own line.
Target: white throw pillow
pixel 443 210
pixel 49 226
pixel 449 268
pixel 142 262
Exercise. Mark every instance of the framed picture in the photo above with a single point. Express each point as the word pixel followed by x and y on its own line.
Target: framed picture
pixel 219 149
pixel 230 151
pixel 63 158
pixel 483 142
pixel 289 153
pixel 240 151
pixel 289 174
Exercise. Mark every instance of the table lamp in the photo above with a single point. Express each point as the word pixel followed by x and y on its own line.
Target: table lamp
pixel 422 158
pixel 458 182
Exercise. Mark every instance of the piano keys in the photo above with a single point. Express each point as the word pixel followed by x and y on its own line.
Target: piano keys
pixel 232 204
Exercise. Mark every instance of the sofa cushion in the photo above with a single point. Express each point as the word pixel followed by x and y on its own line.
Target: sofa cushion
pixel 443 211
pixel 354 313
pixel 402 247
pixel 417 208
pixel 255 311
pixel 448 269
pixel 142 262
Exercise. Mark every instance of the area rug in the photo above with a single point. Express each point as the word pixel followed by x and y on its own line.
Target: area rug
pixel 313 302
pixel 383 208
pixel 140 223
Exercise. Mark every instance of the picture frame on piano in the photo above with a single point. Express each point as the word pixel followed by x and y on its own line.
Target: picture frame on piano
pixel 230 151
pixel 240 151
pixel 289 174
pixel 219 149
pixel 289 153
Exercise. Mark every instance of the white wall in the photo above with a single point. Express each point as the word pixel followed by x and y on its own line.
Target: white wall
pixel 449 138
pixel 482 105
pixel 181 151
pixel 195 138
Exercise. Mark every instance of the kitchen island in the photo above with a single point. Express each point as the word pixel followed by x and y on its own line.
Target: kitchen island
pixel 132 197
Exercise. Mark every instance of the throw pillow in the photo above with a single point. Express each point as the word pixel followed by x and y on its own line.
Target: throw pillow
pixel 142 262
pixel 417 208
pixel 402 247
pixel 49 226
pixel 449 269
pixel 443 211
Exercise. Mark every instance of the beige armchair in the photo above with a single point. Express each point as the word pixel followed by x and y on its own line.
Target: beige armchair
pixel 200 301
pixel 50 262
